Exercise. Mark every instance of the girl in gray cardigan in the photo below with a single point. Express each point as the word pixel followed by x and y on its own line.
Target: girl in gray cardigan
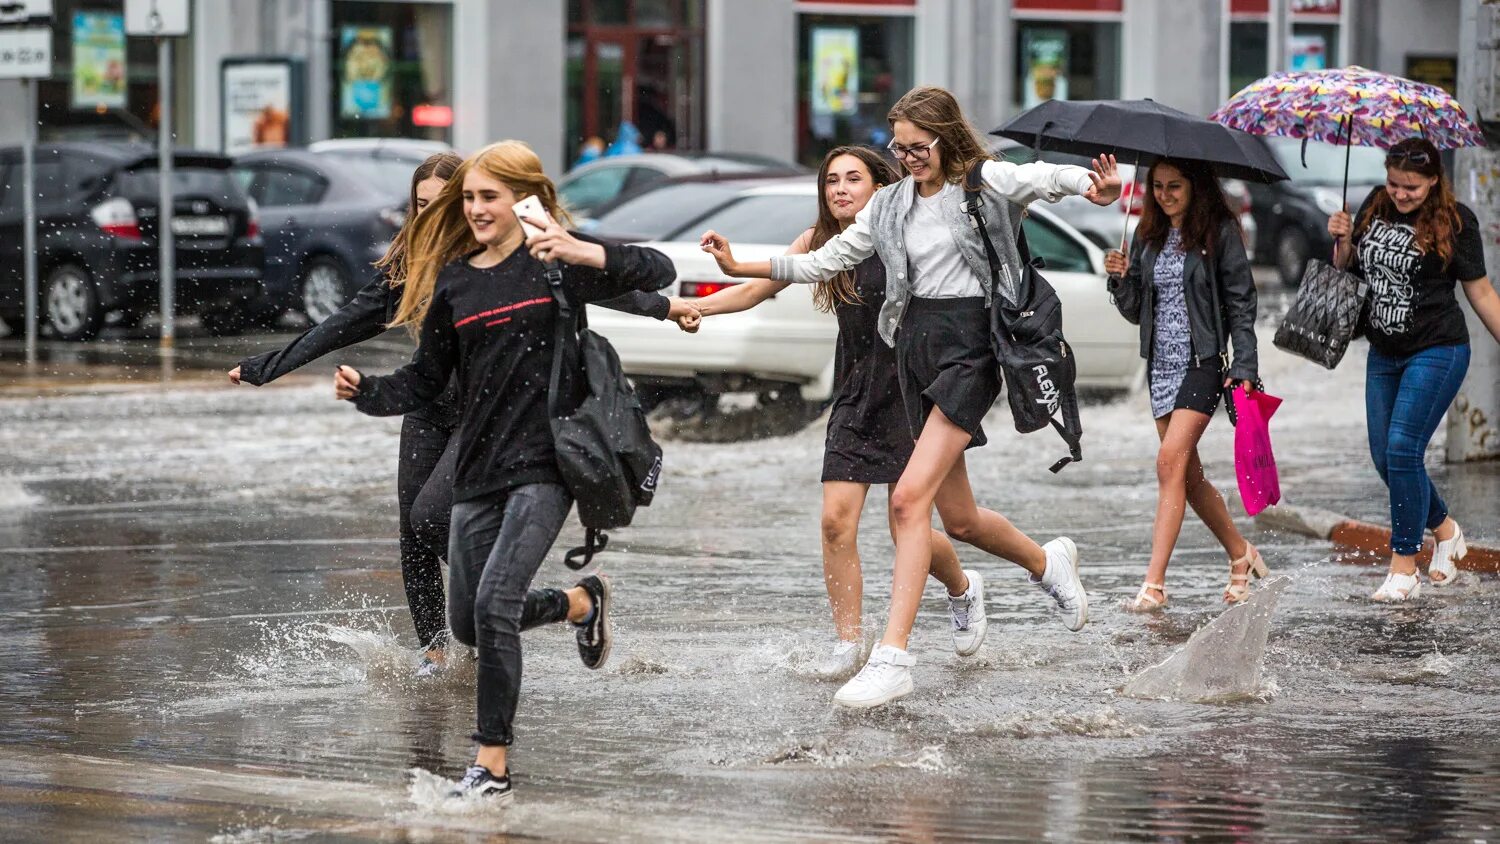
pixel 936 315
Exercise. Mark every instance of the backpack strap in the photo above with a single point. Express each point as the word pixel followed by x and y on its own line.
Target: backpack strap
pixel 973 202
pixel 566 323
pixel 594 541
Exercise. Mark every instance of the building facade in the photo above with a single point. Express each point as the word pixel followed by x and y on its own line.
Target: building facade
pixel 782 78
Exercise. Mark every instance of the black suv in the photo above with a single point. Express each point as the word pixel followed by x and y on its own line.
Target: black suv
pixel 97 236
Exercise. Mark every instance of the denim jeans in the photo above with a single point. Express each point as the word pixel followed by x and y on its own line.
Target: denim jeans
pixel 498 543
pixel 424 492
pixel 1405 399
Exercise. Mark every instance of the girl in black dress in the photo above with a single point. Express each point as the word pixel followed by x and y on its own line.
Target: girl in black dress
pixel 868 439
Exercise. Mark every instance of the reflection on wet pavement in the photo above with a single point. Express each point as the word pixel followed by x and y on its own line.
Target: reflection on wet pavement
pixel 204 636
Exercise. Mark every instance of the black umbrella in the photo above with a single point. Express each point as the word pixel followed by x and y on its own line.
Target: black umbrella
pixel 1142 131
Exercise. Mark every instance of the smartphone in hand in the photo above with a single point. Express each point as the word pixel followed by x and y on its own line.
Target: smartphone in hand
pixel 530 208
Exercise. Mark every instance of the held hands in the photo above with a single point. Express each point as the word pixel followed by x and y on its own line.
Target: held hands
pixel 1340 225
pixel 1106 178
pixel 687 317
pixel 716 245
pixel 1115 264
pixel 554 243
pixel 234 375
pixel 345 382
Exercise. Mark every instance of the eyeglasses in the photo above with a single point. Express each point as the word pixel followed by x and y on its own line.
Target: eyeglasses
pixel 1415 156
pixel 920 152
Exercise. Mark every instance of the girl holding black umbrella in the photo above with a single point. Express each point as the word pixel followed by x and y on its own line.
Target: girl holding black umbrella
pixel 1187 284
pixel 1411 242
pixel 937 315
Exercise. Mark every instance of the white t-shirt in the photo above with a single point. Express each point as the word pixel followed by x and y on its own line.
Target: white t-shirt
pixel 938 269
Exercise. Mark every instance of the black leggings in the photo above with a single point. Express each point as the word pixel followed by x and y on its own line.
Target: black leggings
pixel 424 488
pixel 499 542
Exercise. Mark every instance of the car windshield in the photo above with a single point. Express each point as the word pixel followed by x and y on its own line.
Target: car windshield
pixel 143 183
pixel 655 214
pixel 763 218
pixel 1325 163
pixel 386 175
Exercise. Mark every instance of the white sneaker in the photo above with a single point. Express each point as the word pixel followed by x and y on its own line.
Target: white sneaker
pixel 839 663
pixel 969 622
pixel 886 677
pixel 1060 581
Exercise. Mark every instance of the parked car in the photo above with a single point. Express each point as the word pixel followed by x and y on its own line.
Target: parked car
pixel 584 190
pixel 1104 225
pixel 97 237
pixel 326 216
pixel 786 342
pixel 414 150
pixel 1293 215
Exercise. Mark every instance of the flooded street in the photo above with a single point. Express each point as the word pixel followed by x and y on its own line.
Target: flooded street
pixel 203 637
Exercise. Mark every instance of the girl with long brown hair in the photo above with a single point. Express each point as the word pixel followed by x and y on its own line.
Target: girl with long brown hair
pixel 487 313
pixel 868 441
pixel 1413 241
pixel 937 315
pixel 1187 285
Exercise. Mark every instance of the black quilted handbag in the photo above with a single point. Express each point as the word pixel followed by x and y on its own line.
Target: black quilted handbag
pixel 1326 316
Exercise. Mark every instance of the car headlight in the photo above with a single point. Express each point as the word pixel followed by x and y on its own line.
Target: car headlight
pixel 1328 201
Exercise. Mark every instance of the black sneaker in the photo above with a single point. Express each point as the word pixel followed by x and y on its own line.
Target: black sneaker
pixel 479 782
pixel 594 635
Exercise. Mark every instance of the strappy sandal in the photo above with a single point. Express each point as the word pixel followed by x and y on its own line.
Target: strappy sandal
pixel 1239 584
pixel 1398 588
pixel 1445 556
pixel 1144 603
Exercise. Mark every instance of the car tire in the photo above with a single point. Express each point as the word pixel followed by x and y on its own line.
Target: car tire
pixel 225 322
pixel 1293 249
pixel 70 303
pixel 325 287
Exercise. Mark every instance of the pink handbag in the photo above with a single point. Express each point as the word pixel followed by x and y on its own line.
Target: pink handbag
pixel 1254 463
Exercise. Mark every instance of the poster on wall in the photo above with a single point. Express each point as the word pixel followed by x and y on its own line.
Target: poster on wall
pixel 365 72
pixel 1045 53
pixel 1441 71
pixel 257 105
pixel 1307 52
pixel 98 60
pixel 835 70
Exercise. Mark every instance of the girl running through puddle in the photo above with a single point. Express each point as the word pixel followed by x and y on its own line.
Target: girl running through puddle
pixel 937 316
pixel 868 441
pixel 487 314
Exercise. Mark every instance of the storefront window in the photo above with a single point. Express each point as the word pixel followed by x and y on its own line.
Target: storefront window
pixel 1066 60
pixel 850 71
pixel 390 60
pixel 103 82
pixel 1249 51
pixel 634 75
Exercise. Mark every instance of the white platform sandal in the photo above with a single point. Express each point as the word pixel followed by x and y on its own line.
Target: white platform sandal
pixel 1143 602
pixel 1239 584
pixel 1445 558
pixel 1398 588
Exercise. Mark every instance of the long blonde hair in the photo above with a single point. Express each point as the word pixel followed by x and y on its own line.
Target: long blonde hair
pixel 441 234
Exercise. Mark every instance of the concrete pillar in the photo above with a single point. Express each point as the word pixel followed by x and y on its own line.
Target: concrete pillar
pixel 751 58
pixel 1474 418
pixel 934 43
pixel 517 88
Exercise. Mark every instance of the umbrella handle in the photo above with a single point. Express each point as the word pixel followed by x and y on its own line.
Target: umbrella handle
pixel 1135 178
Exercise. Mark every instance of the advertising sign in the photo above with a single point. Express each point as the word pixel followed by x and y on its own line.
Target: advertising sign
pixel 835 70
pixel 365 72
pixel 1307 52
pixel 1045 52
pixel 257 105
pixel 98 60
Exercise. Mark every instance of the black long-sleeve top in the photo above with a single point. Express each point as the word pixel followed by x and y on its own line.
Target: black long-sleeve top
pixel 494 328
pixel 368 315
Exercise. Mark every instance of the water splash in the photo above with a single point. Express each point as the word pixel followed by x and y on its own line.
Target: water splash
pixel 428 792
pixel 1222 661
pixel 1101 723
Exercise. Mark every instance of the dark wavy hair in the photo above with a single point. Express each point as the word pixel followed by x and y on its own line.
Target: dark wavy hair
pixel 840 288
pixel 1438 223
pixel 441 165
pixel 936 110
pixel 1207 212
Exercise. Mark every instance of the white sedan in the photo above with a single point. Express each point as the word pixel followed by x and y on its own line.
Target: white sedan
pixel 785 341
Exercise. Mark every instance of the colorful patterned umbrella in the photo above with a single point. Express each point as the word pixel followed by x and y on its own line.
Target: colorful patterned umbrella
pixel 1381 109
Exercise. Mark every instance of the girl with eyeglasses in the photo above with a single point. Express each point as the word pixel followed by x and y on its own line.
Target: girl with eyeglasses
pixel 936 314
pixel 1412 241
pixel 868 440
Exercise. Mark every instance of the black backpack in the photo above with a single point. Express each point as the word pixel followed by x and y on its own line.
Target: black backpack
pixel 605 452
pixel 1036 363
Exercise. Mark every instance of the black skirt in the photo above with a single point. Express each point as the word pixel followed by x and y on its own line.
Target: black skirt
pixel 1202 388
pixel 946 361
pixel 868 440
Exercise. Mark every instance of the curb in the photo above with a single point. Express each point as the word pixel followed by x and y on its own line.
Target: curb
pixel 1374 540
